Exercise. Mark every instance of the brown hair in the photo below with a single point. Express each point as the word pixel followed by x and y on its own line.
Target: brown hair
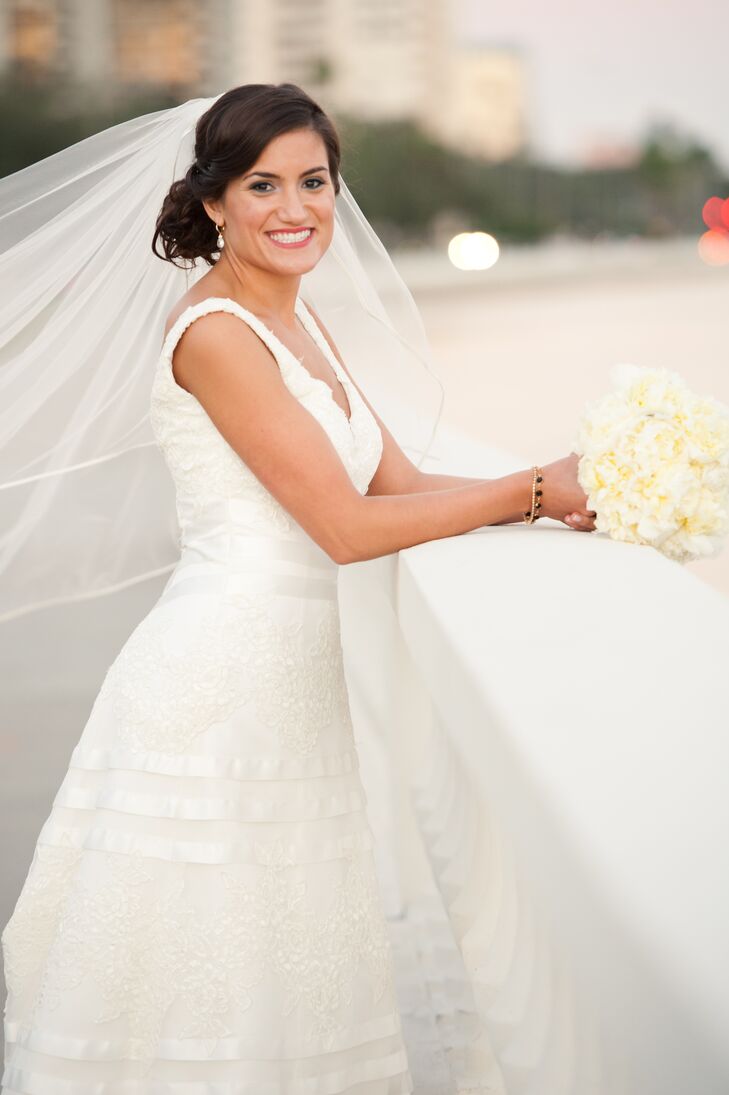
pixel 229 138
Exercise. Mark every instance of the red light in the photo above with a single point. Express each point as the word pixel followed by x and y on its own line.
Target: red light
pixel 712 213
pixel 725 212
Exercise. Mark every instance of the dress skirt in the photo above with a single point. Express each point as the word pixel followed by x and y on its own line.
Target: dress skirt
pixel 202 915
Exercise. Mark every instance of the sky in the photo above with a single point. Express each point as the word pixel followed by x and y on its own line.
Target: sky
pixel 602 71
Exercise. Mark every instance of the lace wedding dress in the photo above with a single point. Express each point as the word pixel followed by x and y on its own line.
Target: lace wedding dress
pixel 202 914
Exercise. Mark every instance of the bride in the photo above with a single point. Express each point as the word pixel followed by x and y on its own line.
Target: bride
pixel 202 909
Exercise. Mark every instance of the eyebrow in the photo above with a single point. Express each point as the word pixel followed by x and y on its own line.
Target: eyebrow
pixel 270 174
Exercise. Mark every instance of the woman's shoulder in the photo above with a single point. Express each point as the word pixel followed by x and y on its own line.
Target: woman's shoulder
pixel 193 296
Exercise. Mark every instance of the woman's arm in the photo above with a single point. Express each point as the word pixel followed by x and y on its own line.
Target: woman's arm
pixel 396 473
pixel 429 481
pixel 232 374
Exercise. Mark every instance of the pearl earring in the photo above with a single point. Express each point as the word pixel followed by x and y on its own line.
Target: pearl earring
pixel 220 241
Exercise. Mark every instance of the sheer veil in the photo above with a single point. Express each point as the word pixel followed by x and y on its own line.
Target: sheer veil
pixel 86 502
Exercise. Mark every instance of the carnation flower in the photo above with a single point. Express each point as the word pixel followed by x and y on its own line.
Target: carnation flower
pixel 654 463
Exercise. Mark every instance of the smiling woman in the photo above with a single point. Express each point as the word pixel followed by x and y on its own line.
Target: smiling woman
pixel 271 211
pixel 204 899
pixel 229 150
pixel 278 202
pixel 203 909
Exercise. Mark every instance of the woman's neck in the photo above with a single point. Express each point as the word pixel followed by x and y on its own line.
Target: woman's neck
pixel 268 295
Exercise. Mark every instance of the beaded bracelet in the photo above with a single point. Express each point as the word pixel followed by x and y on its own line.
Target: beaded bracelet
pixel 531 515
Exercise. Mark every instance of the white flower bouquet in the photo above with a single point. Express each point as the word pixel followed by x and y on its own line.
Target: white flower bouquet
pixel 654 463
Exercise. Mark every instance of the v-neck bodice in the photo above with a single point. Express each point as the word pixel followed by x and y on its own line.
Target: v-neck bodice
pixel 315 333
pixel 207 470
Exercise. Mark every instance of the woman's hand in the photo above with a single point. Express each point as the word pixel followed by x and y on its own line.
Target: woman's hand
pixel 563 498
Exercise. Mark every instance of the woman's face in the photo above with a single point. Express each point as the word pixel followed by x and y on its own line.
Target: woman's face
pixel 279 215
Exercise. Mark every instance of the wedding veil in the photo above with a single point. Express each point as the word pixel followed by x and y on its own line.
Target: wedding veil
pixel 86 502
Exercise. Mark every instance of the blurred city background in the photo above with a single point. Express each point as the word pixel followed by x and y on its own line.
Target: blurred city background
pixel 442 104
pixel 551 180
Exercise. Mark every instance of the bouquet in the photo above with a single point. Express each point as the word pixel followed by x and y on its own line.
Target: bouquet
pixel 654 463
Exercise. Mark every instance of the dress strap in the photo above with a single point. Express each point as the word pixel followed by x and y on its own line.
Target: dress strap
pixel 283 356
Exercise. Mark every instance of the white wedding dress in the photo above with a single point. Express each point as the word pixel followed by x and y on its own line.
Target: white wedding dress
pixel 202 914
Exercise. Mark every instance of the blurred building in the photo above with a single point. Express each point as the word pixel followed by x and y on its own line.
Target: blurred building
pixel 111 45
pixel 373 59
pixel 483 107
pixel 364 57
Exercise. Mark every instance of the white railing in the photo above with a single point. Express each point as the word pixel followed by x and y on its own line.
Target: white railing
pixel 543 725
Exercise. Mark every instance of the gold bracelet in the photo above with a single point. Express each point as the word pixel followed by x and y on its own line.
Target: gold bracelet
pixel 531 514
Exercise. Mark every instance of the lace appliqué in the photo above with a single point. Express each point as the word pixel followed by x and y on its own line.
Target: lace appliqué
pixel 146 942
pixel 167 688
pixel 28 935
pixel 369 448
pixel 316 957
pixel 299 688
pixel 202 463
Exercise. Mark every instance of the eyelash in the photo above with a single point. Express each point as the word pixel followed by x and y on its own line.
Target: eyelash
pixel 254 186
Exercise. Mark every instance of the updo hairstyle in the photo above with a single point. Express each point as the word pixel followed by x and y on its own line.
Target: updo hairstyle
pixel 229 138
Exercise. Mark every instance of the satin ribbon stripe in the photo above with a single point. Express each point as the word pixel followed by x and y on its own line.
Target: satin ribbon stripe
pixel 312 842
pixel 212 766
